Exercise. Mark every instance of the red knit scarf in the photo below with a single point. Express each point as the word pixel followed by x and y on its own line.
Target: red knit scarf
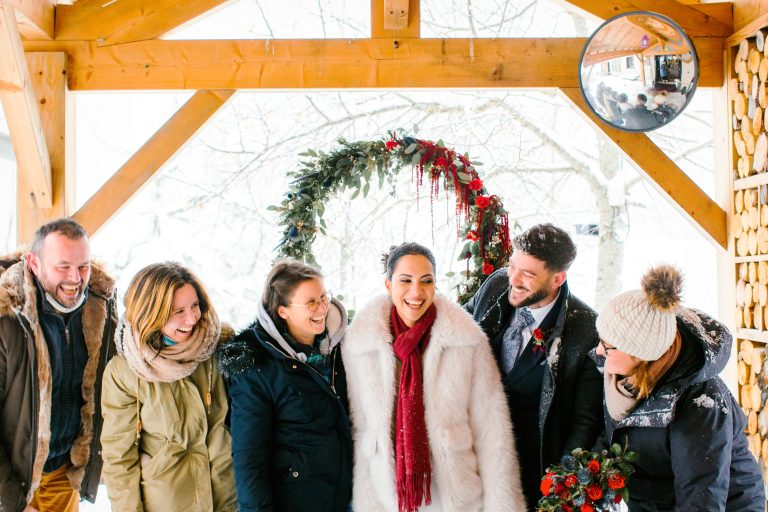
pixel 414 473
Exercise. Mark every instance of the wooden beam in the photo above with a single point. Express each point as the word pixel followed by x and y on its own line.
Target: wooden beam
pixel 21 111
pixel 747 12
pixel 150 158
pixel 705 213
pixel 34 18
pixel 395 14
pixel 722 11
pixel 749 29
pixel 380 22
pixel 49 80
pixel 693 21
pixel 339 64
pixel 117 22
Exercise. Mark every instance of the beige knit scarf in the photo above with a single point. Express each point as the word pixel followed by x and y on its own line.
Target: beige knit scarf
pixel 620 397
pixel 173 362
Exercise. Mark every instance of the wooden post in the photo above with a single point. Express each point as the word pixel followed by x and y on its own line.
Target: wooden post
pixel 21 111
pixel 379 20
pixel 48 74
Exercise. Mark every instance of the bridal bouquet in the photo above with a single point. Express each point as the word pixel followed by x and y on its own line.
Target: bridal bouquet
pixel 587 481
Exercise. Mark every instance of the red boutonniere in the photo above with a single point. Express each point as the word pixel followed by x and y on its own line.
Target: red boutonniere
pixel 538 340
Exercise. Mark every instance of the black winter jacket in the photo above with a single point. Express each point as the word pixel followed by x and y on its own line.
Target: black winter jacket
pixel 291 438
pixel 689 433
pixel 569 410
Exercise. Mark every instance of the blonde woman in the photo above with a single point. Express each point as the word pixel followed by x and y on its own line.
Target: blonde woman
pixel 164 443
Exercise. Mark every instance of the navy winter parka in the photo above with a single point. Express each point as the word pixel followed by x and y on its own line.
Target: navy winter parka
pixel 689 433
pixel 291 438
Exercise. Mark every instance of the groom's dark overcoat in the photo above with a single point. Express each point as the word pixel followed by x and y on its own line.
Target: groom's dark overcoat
pixel 556 394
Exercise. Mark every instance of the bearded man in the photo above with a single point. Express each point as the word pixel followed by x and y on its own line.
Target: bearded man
pixel 57 323
pixel 541 336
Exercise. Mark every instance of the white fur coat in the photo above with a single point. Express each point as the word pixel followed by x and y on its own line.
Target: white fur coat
pixel 472 453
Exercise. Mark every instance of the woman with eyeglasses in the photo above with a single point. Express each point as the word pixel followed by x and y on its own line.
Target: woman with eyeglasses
pixel 431 423
pixel 291 439
pixel 665 401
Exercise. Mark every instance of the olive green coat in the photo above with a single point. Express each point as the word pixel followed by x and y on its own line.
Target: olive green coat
pixel 183 461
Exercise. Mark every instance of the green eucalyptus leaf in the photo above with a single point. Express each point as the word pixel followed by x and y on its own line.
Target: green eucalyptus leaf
pixel 463 177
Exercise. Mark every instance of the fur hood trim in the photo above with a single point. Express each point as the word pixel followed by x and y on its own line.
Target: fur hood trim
pixel 18 297
pixel 16 276
pixel 453 326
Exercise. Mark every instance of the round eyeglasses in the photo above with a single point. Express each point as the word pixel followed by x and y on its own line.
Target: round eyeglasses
pixel 313 305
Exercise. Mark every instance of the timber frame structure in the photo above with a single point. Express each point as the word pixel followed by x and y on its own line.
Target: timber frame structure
pixel 49 50
pixel 94 45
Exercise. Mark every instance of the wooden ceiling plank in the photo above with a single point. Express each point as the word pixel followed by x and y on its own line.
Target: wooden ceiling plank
pixel 21 112
pixel 748 30
pixel 35 18
pixel 49 80
pixel 699 208
pixel 110 23
pixel 380 27
pixel 338 64
pixel 150 158
pixel 722 11
pixel 695 22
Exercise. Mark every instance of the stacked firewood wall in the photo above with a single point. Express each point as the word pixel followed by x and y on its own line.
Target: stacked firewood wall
pixel 749 227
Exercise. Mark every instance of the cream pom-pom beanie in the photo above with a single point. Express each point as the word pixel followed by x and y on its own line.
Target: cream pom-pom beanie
pixel 642 323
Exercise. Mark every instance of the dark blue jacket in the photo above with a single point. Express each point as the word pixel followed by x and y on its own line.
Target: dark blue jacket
pixel 689 433
pixel 291 438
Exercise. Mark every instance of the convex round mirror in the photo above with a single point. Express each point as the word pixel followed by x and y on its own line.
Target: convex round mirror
pixel 638 71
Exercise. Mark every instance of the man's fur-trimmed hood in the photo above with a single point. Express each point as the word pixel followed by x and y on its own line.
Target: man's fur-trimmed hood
pixel 18 298
pixel 15 277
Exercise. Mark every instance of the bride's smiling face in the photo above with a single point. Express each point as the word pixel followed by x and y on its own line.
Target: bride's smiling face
pixel 412 287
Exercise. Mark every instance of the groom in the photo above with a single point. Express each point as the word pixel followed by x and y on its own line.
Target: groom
pixel 541 336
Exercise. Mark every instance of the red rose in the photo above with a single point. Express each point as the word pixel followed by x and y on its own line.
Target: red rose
pixel 615 481
pixel 391 144
pixel 472 235
pixel 593 466
pixel 476 184
pixel 566 508
pixel 570 480
pixel 539 335
pixel 594 492
pixel 559 488
pixel 482 202
pixel 587 508
pixel 488 268
pixel 440 162
pixel 617 498
pixel 546 484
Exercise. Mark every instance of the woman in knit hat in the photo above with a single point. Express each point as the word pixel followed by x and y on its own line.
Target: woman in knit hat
pixel 665 401
pixel 164 441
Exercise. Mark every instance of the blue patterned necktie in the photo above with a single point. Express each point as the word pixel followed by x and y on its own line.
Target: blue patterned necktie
pixel 513 339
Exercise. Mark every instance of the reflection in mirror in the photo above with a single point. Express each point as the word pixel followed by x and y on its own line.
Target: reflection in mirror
pixel 638 71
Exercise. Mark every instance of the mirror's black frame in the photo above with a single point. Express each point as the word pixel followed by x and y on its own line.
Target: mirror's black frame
pixel 689 93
